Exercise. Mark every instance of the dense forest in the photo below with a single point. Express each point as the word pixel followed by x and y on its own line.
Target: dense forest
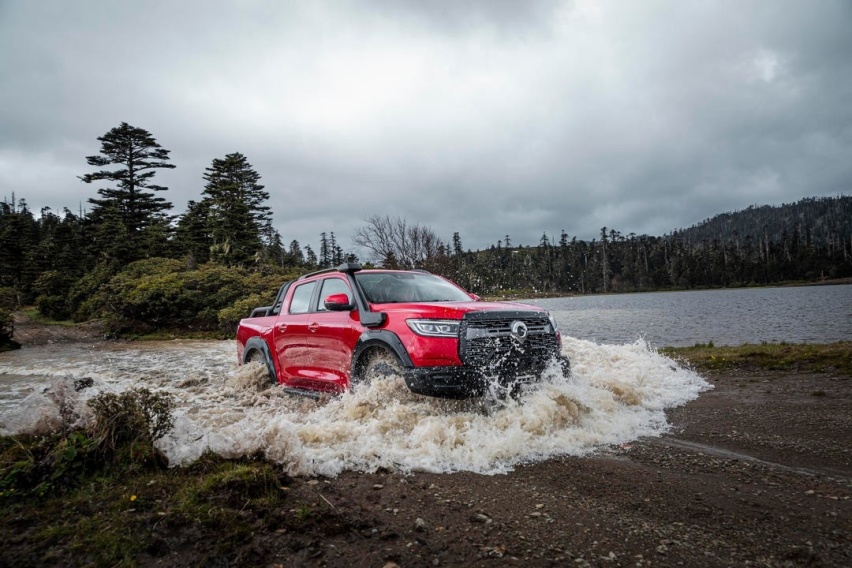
pixel 807 241
pixel 129 262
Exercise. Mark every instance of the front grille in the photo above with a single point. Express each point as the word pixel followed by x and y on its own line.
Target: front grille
pixel 487 342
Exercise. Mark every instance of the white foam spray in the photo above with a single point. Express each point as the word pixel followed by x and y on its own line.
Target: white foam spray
pixel 616 394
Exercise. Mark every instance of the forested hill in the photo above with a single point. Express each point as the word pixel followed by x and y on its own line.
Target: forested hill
pixel 820 220
pixel 807 241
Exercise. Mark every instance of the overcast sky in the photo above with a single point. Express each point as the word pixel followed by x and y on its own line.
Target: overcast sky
pixel 486 117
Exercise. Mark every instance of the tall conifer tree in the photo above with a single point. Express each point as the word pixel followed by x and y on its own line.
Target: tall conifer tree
pixel 129 220
pixel 237 216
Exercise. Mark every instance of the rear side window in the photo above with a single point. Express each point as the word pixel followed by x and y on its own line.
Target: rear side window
pixel 333 286
pixel 279 299
pixel 301 302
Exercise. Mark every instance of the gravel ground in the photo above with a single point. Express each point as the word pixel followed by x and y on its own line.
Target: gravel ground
pixel 757 472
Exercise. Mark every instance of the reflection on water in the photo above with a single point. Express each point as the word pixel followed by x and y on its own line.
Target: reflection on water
pixel 807 314
pixel 616 394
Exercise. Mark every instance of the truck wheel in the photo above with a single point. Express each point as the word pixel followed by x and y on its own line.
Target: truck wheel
pixel 257 357
pixel 379 364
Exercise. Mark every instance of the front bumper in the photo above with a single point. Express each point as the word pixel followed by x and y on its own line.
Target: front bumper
pixel 465 381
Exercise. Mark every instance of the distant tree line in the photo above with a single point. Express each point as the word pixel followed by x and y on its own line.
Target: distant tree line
pixel 807 241
pixel 129 261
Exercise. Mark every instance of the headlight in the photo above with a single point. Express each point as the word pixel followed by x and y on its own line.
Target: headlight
pixel 434 328
pixel 553 323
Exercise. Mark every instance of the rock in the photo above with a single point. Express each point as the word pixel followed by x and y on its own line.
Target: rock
pixel 422 525
pixel 480 518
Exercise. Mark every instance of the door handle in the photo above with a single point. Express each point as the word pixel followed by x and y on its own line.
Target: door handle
pixel 281 327
pixel 313 327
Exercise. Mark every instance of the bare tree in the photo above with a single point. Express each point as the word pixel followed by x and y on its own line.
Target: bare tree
pixel 412 245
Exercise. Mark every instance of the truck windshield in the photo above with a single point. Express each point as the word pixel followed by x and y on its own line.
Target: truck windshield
pixel 396 287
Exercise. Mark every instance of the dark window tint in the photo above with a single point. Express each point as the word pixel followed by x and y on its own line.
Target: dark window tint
pixel 393 287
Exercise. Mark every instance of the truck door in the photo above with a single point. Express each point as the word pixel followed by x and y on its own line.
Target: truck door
pixel 333 335
pixel 290 334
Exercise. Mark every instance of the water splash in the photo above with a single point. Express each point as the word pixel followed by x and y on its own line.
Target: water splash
pixel 616 394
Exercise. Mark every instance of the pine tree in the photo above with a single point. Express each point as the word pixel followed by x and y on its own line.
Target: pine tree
pixel 297 257
pixel 18 235
pixel 128 221
pixel 325 252
pixel 193 235
pixel 310 257
pixel 237 217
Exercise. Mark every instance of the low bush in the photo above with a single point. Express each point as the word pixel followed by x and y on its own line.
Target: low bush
pixel 164 294
pixel 7 330
pixel 120 439
pixel 52 289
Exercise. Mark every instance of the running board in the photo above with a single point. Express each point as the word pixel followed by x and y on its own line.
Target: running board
pixel 302 392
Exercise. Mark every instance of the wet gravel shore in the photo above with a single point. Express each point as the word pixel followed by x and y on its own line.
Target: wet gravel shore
pixel 757 472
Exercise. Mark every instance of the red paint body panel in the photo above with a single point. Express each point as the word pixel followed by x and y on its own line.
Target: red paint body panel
pixel 314 349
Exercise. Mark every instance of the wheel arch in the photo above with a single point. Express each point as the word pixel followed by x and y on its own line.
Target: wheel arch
pixel 256 344
pixel 379 339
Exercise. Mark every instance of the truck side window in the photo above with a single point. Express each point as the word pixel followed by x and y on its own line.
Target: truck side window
pixel 301 302
pixel 332 286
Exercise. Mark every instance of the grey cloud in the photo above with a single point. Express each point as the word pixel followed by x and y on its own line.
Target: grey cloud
pixel 486 118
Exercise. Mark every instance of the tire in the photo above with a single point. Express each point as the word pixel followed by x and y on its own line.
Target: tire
pixel 257 356
pixel 378 364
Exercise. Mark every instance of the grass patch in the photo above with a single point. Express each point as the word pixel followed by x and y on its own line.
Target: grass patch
pixel 32 314
pixel 818 358
pixel 115 519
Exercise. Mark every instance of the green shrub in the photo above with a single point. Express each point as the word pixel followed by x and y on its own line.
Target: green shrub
pixel 122 437
pixel 83 301
pixel 131 420
pixel 7 330
pixel 8 298
pixel 52 289
pixel 48 464
pixel 230 317
pixel 164 294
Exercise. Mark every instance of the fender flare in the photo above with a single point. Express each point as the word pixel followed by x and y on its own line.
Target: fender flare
pixel 258 344
pixel 380 338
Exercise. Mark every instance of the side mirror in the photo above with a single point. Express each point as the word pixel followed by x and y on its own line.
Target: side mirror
pixel 474 297
pixel 338 303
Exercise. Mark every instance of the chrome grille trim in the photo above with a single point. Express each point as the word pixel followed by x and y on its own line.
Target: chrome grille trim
pixel 486 341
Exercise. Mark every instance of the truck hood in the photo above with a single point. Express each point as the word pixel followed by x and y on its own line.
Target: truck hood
pixel 453 310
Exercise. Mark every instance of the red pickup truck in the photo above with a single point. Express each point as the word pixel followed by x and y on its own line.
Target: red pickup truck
pixel 329 330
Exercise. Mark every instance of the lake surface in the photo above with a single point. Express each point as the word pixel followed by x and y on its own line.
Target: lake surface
pixel 806 314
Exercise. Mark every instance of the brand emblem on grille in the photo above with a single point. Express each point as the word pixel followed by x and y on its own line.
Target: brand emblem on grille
pixel 519 330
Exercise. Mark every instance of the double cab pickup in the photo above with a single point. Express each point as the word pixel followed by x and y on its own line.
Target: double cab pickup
pixel 332 330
